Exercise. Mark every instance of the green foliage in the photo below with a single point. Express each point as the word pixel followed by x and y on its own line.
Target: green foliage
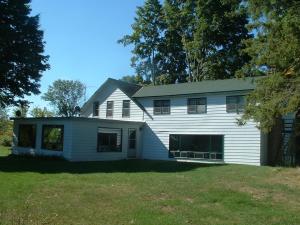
pixel 213 40
pixel 6 127
pixel 134 79
pixel 65 95
pixel 41 112
pixel 188 40
pixel 21 52
pixel 275 52
pixel 146 38
pixel 21 110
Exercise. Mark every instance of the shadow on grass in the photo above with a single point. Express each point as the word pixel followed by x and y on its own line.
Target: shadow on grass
pixel 13 163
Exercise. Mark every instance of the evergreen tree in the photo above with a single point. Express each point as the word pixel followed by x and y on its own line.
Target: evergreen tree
pixel 275 53
pixel 21 52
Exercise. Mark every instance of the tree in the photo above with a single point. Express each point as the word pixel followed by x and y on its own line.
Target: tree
pixel 146 38
pixel 213 38
pixel 21 110
pixel 194 39
pixel 41 112
pixel 173 61
pixel 275 53
pixel 134 79
pixel 21 52
pixel 6 127
pixel 65 95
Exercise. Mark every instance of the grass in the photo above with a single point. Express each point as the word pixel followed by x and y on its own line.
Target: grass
pixel 48 191
pixel 4 151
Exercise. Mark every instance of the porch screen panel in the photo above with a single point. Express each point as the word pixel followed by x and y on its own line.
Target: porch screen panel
pixel 196 146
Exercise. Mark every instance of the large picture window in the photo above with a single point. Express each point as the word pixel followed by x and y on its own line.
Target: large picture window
pixel 235 104
pixel 53 137
pixel 109 109
pixel 208 147
pixel 109 140
pixel 27 135
pixel 196 105
pixel 161 107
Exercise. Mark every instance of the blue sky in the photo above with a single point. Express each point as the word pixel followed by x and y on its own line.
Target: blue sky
pixel 81 40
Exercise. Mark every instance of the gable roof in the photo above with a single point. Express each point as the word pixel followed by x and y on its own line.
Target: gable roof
pixel 128 89
pixel 207 86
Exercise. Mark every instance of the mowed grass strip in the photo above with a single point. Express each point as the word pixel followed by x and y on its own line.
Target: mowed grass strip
pixel 51 191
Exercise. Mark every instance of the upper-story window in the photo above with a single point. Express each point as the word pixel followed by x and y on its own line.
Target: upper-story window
pixel 235 104
pixel 96 109
pixel 126 108
pixel 109 109
pixel 161 107
pixel 196 105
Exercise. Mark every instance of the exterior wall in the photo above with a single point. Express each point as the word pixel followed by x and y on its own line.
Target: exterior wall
pixel 80 139
pixel 84 146
pixel 242 144
pixel 114 94
pixel 66 153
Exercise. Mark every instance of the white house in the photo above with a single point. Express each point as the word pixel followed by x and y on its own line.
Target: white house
pixel 194 122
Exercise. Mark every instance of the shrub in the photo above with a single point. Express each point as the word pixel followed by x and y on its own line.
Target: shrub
pixel 6 140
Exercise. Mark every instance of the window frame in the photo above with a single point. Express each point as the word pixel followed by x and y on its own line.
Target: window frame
pixel 123 109
pixel 96 108
pixel 107 109
pixel 62 127
pixel 236 104
pixel 121 140
pixel 196 111
pixel 161 107
pixel 34 136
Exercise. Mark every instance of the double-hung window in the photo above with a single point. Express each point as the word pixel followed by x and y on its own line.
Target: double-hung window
pixel 196 105
pixel 161 107
pixel 96 109
pixel 126 108
pixel 109 109
pixel 235 104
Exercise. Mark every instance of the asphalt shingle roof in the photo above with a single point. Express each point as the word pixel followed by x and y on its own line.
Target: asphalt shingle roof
pixel 207 86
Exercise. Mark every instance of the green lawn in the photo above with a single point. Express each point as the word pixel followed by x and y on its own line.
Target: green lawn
pixel 44 191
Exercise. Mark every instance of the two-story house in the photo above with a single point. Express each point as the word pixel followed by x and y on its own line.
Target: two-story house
pixel 194 122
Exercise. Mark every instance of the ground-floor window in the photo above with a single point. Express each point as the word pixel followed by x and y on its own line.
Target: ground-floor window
pixel 109 140
pixel 27 135
pixel 208 147
pixel 53 137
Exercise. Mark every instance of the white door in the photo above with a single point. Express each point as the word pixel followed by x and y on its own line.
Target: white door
pixel 131 151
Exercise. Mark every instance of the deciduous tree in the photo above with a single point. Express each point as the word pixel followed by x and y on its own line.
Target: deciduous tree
pixel 64 96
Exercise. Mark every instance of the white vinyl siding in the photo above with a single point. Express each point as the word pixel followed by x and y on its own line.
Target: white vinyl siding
pixel 38 150
pixel 117 96
pixel 84 146
pixel 241 143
